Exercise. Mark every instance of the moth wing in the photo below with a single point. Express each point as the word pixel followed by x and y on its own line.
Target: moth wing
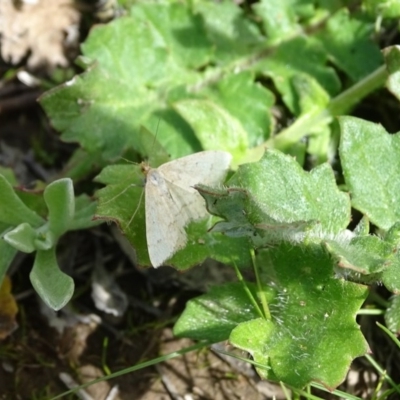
pixel 206 167
pixel 165 226
pixel 171 201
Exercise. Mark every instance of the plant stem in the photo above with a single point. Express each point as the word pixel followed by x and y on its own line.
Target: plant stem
pixel 352 96
pixel 313 122
pixel 382 372
pixel 248 292
pixel 261 293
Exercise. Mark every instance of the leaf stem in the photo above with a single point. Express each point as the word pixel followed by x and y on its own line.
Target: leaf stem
pixel 370 311
pixel 307 123
pixel 248 292
pixel 349 98
pixel 382 372
pixel 336 392
pixel 303 126
pixel 261 293
pixel 376 298
pixel 390 334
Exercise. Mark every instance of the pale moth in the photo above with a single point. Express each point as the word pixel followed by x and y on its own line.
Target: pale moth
pixel 171 202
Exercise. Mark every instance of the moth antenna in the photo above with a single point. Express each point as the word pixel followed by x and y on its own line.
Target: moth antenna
pixel 132 184
pixel 155 136
pixel 129 161
pixel 154 140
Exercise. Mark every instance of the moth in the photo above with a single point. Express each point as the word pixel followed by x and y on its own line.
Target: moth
pixel 171 202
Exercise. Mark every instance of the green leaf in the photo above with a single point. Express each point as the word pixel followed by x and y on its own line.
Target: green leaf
pixel 311 97
pixel 312 334
pixel 233 205
pixel 151 148
pixel 321 147
pixel 9 175
pixel 149 44
pixel 364 255
pixel 243 217
pixel 214 127
pixel 392 236
pixel 12 210
pixel 81 164
pixel 120 92
pixel 348 42
pixel 100 96
pixel 392 60
pixel 383 8
pixel 296 65
pixel 187 41
pixel 59 198
pixel 85 210
pixel 231 34
pixel 7 254
pixel 249 102
pixel 363 228
pixel 278 18
pixel 122 201
pixel 53 286
pixel 203 243
pixel 33 198
pixel 287 193
pixel 391 275
pixel 22 238
pixel 373 179
pixel 212 316
pixel 315 336
pixel 392 314
pixel 104 108
pixel 251 336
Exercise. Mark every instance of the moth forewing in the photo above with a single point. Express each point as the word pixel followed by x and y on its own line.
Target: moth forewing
pixel 207 167
pixel 164 231
pixel 172 202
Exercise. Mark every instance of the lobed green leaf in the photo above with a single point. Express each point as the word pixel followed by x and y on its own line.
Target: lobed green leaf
pixel 374 181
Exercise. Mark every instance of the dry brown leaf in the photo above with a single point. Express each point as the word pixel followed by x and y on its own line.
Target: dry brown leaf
pixel 8 309
pixel 42 28
pixel 74 339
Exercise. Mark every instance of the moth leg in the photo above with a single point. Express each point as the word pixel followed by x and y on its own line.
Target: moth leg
pixel 137 207
pixel 120 193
